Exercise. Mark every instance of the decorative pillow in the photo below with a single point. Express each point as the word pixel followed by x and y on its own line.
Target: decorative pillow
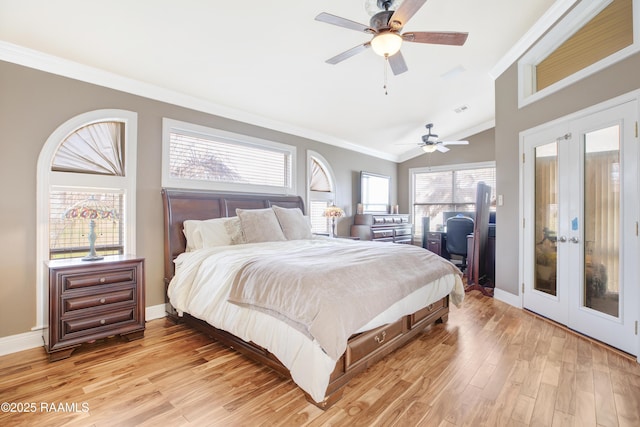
pixel 234 230
pixel 293 223
pixel 260 225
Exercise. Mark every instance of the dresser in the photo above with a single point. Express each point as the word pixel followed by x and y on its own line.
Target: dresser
pixel 90 300
pixel 383 227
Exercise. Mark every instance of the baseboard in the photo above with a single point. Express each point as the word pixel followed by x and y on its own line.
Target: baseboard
pixel 16 343
pixel 507 297
pixel 155 312
pixel 33 339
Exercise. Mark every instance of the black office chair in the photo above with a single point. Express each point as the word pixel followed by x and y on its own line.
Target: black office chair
pixel 458 228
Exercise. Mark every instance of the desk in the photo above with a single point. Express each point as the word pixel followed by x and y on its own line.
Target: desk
pixel 436 242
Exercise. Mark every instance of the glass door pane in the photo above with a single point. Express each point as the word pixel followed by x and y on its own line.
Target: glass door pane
pixel 546 217
pixel 602 220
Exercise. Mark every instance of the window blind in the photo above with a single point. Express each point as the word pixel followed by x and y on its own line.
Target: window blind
pixel 436 192
pixel 608 32
pixel 68 236
pixel 210 159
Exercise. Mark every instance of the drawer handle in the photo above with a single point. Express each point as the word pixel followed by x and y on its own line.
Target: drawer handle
pixel 102 322
pixel 381 340
pixel 102 280
pixel 430 307
pixel 102 300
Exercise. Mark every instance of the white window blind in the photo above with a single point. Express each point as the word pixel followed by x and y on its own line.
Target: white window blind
pixel 319 222
pixel 198 157
pixel 447 190
pixel 68 232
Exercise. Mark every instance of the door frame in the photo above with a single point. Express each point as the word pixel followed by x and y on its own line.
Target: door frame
pixel 633 96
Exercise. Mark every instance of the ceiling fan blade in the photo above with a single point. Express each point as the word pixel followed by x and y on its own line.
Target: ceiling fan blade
pixel 455 142
pixel 348 53
pixel 343 22
pixel 452 38
pixel 441 148
pixel 405 11
pixel 397 64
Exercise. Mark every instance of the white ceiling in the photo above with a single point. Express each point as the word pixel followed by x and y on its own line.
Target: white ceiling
pixel 263 61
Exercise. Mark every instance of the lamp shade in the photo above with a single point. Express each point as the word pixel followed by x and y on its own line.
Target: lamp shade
pixel 333 211
pixel 386 44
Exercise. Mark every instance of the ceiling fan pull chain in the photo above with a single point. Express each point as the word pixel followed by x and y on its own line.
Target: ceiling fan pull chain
pixel 386 64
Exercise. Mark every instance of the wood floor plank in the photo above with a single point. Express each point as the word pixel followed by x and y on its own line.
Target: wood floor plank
pixel 490 365
pixel 543 409
pixel 566 397
pixel 605 402
pixel 585 408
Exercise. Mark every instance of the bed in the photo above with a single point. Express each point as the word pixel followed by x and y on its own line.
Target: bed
pixel 225 264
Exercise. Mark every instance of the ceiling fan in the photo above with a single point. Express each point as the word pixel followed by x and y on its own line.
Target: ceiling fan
pixel 430 142
pixel 385 26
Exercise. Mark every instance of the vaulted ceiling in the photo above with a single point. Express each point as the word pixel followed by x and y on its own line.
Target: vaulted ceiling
pixel 263 62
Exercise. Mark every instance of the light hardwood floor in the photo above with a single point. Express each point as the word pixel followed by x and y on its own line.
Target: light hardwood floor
pixel 490 364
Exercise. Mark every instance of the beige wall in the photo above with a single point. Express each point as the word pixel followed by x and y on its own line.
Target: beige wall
pixel 618 79
pixel 33 104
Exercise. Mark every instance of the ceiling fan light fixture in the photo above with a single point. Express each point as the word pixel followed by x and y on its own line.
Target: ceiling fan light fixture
pixel 386 44
pixel 429 148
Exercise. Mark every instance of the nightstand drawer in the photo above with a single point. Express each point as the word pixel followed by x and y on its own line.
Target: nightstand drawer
pixel 97 278
pixel 89 323
pixel 98 300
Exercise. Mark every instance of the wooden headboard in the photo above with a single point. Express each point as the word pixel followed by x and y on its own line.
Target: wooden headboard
pixel 180 205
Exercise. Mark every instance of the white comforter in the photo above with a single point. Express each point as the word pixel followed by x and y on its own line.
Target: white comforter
pixel 201 287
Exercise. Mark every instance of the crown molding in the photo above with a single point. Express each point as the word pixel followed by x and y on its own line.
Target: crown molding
pixel 542 25
pixel 55 65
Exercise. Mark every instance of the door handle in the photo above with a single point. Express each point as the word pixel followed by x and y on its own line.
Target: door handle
pixel 562 239
pixel 574 240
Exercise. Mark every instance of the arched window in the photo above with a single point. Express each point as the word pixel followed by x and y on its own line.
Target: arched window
pixel 86 185
pixel 321 191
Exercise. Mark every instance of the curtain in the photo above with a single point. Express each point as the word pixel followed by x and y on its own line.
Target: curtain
pixel 602 217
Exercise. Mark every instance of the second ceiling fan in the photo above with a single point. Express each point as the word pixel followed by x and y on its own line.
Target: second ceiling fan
pixel 386 27
pixel 431 143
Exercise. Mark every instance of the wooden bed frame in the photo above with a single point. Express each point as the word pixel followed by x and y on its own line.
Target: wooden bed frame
pixel 363 349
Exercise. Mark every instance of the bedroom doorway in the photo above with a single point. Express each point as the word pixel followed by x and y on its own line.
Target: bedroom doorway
pixel 580 209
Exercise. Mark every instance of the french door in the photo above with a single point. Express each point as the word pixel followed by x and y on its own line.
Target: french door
pixel 580 237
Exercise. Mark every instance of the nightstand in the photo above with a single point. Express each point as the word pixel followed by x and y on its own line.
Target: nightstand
pixel 89 300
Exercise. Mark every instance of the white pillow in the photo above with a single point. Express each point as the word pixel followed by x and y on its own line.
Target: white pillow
pixel 214 232
pixel 189 228
pixel 260 225
pixel 206 233
pixel 293 223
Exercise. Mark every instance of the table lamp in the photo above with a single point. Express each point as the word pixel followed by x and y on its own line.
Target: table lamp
pixel 91 209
